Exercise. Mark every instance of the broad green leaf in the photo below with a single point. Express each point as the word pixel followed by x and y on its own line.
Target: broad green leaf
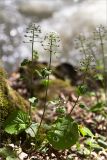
pixel 64 133
pixel 85 131
pixel 16 122
pixel 8 153
pixel 32 129
pixel 12 158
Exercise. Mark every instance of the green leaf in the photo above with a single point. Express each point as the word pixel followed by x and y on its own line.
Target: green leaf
pixel 12 158
pixel 16 122
pixel 45 72
pixel 99 76
pixel 82 106
pixel 25 62
pixel 38 73
pixel 86 151
pixel 61 110
pixel 35 55
pixel 82 89
pixel 45 82
pixel 64 133
pixel 8 153
pixel 93 144
pixel 102 143
pixel 56 101
pixel 32 130
pixel 85 131
pixel 33 101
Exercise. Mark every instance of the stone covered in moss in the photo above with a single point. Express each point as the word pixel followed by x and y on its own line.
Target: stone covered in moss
pixel 56 85
pixel 9 99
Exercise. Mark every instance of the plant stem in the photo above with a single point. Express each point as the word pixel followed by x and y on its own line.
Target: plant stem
pixel 104 67
pixel 47 87
pixel 85 73
pixel 31 92
pixel 74 104
pixel 82 45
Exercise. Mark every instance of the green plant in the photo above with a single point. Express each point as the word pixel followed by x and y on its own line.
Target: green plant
pixel 32 35
pixel 64 132
pixel 95 45
pixel 18 122
pixel 50 44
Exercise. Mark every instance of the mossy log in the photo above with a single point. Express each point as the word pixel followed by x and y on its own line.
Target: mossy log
pixel 10 100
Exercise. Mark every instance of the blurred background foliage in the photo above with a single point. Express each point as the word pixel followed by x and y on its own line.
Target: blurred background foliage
pixel 67 17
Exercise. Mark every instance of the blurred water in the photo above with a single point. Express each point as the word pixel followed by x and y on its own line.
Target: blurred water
pixel 67 17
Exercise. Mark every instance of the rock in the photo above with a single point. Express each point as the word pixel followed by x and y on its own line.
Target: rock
pixel 66 71
pixel 9 98
pixel 56 85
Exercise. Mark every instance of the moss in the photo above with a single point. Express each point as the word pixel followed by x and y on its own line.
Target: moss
pixel 9 99
pixel 56 86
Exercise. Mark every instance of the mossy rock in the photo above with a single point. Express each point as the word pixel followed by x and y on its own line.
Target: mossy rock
pixel 56 87
pixel 9 99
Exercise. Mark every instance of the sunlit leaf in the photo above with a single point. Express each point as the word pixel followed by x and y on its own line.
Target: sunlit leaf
pixel 32 129
pixel 64 133
pixel 93 144
pixel 99 76
pixel 45 82
pixel 33 101
pixel 85 131
pixel 16 122
pixel 8 153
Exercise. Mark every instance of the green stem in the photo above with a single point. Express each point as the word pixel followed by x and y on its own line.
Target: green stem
pixel 104 67
pixel 76 102
pixel 47 87
pixel 82 45
pixel 31 92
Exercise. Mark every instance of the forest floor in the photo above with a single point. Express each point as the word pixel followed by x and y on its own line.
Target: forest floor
pixel 95 121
